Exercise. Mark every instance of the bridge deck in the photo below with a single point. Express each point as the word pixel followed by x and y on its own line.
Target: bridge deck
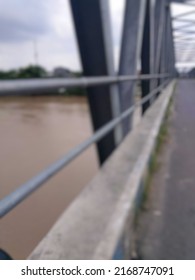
pixel 167 227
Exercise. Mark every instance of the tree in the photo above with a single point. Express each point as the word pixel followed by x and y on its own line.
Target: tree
pixel 31 72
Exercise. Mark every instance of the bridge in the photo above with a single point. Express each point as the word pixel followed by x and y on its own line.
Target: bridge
pixel 101 222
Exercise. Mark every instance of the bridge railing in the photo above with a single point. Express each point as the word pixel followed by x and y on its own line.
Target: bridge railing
pixel 58 84
pixel 21 193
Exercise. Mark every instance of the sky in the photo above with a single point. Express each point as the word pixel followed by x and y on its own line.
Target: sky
pixel 47 27
pixel 184 42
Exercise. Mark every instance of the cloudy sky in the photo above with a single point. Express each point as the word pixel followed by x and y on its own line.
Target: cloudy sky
pixel 48 25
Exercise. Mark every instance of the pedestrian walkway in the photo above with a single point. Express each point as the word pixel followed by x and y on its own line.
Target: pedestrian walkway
pixel 167 226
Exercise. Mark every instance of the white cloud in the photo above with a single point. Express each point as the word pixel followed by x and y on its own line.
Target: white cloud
pixel 50 24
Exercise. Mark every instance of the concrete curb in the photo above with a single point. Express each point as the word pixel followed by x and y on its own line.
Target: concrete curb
pixel 99 223
pixel 129 202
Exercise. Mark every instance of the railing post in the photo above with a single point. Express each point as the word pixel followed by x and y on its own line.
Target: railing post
pixel 164 42
pixel 130 52
pixel 171 44
pixel 159 30
pixel 152 37
pixel 170 53
pixel 145 54
pixel 93 30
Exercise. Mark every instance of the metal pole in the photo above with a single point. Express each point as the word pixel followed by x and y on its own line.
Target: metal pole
pixel 185 20
pixel 130 52
pixel 145 55
pixel 114 89
pixel 173 60
pixel 170 54
pixel 167 39
pixel 183 27
pixel 160 19
pixel 21 193
pixel 34 86
pixel 163 47
pixel 92 25
pixel 152 41
pixel 184 14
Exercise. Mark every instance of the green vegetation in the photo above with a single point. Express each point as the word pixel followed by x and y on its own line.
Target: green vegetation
pixel 31 71
pixel 24 73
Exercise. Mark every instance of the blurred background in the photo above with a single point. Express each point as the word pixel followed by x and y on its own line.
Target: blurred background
pixel 37 40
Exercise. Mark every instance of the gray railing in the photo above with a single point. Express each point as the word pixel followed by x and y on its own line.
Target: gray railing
pixel 16 197
pixel 147 40
pixel 53 84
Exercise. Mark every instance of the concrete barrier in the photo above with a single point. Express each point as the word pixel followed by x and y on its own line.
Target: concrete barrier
pixel 99 222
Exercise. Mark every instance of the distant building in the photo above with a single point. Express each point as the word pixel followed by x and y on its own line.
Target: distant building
pixel 61 72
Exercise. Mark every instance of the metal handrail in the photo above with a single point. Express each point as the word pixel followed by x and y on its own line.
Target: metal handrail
pixel 52 84
pixel 13 199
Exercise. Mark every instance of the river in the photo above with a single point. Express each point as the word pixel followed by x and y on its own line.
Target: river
pixel 34 132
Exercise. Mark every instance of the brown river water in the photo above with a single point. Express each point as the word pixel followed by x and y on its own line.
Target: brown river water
pixel 35 132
